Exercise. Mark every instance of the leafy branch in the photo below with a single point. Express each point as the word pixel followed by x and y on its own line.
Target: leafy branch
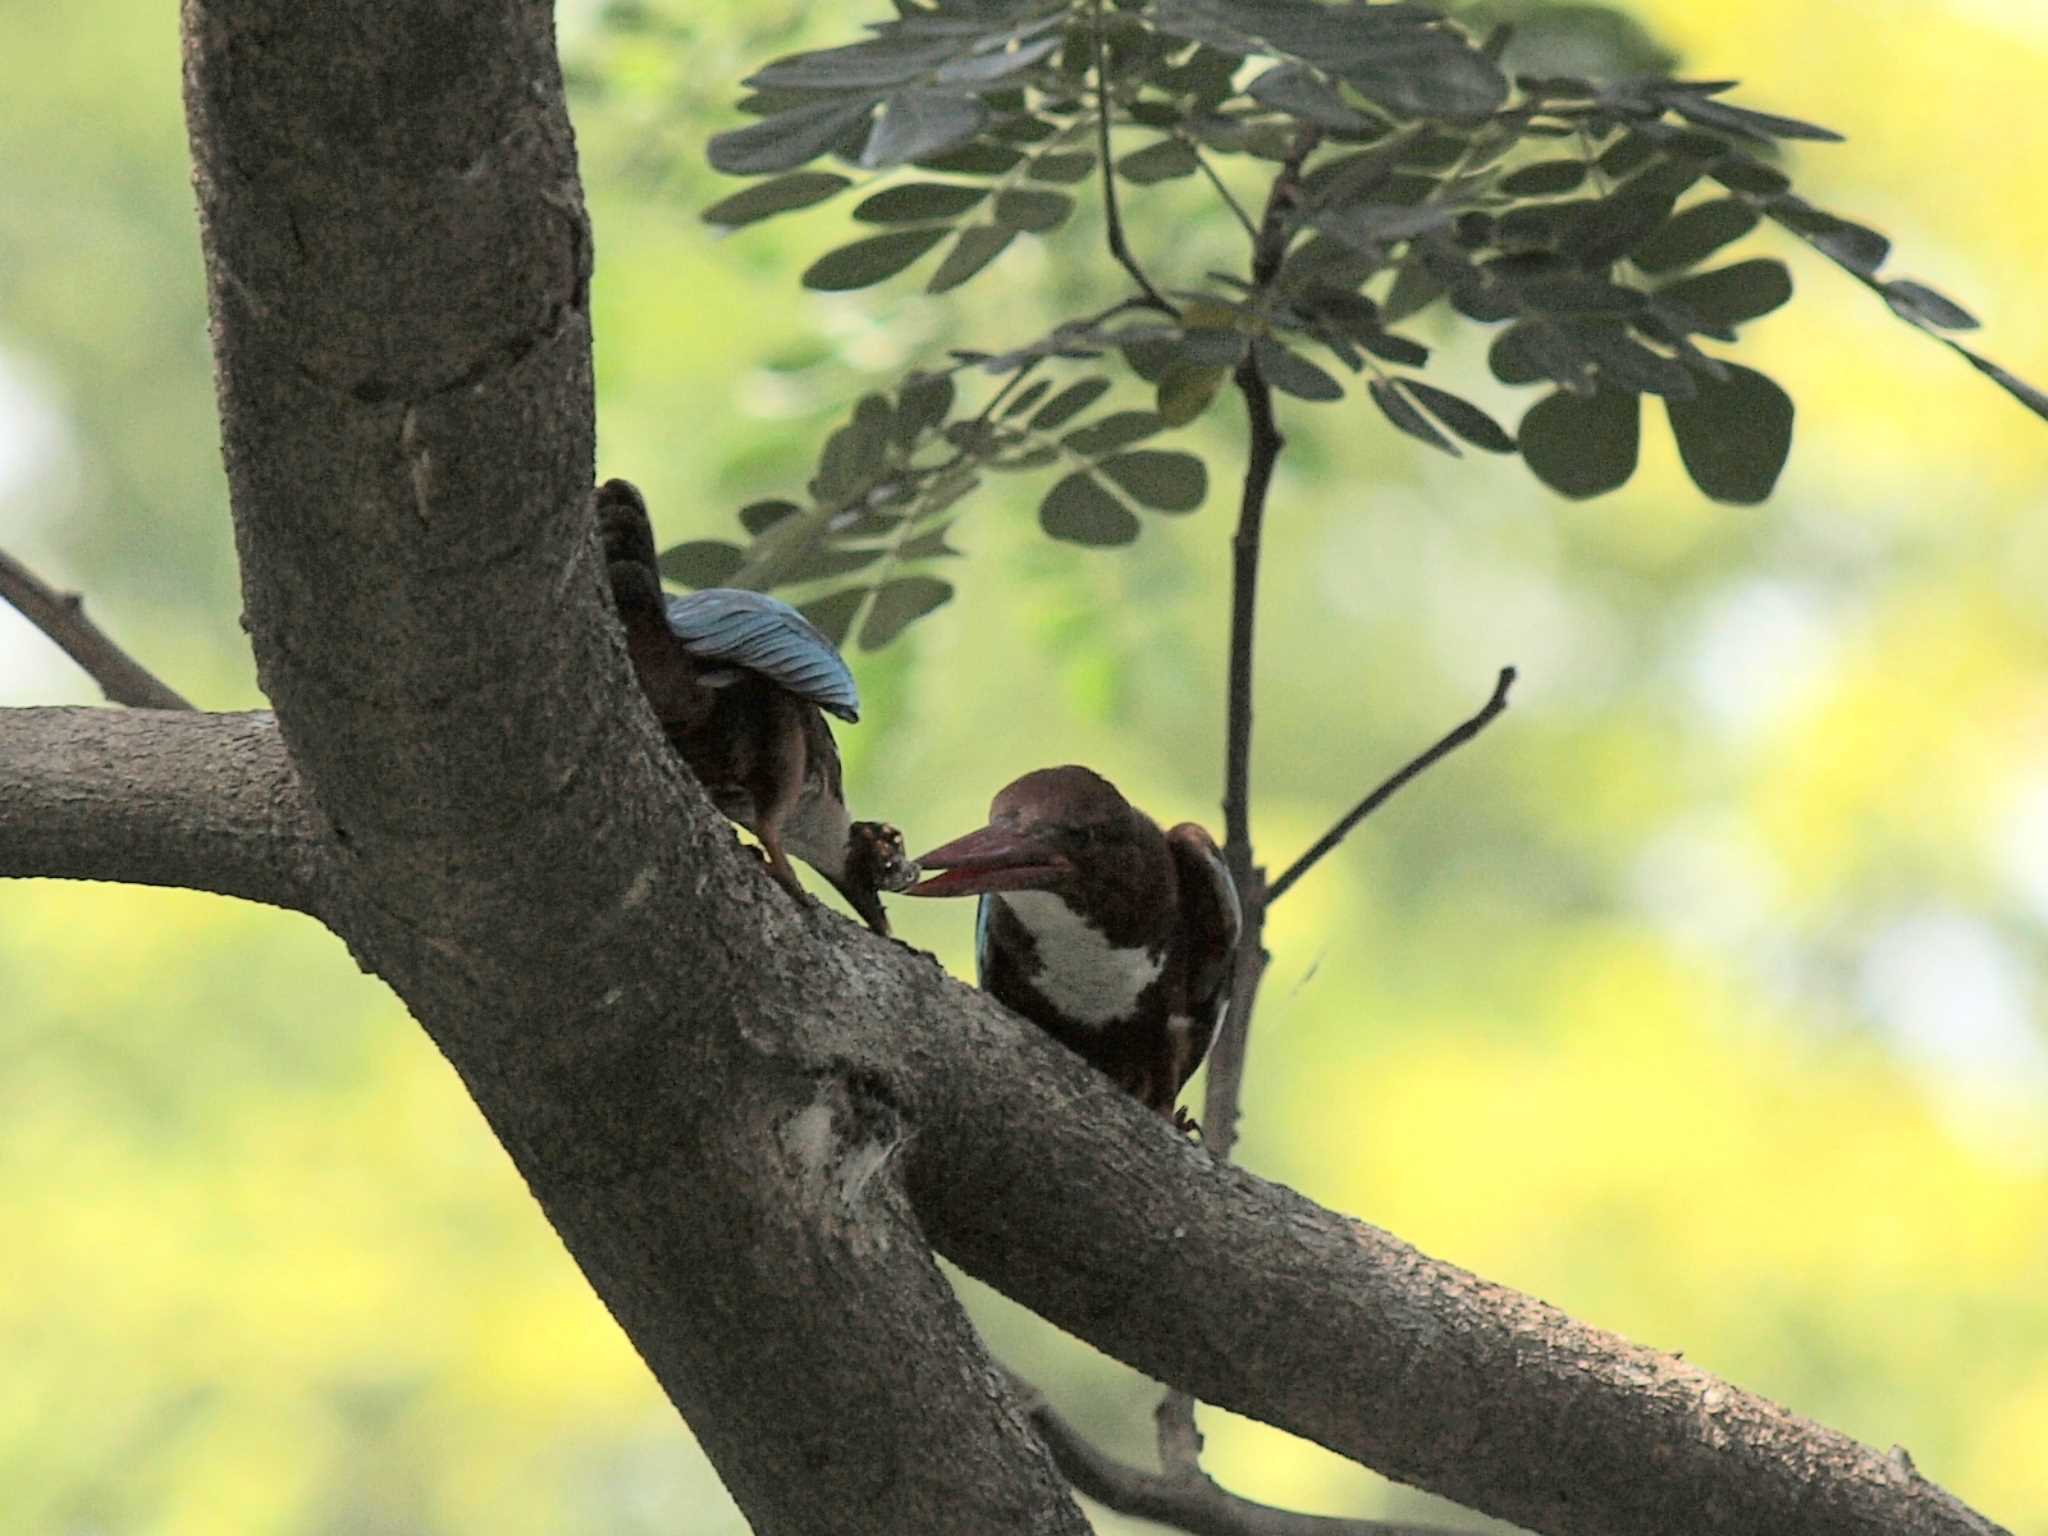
pixel 1580 221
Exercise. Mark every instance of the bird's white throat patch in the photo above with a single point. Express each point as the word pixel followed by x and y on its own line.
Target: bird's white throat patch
pixel 1093 982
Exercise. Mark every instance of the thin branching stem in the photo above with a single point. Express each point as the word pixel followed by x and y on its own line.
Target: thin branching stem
pixel 1223 191
pixel 61 616
pixel 1179 1441
pixel 1118 246
pixel 1447 744
pixel 1186 1499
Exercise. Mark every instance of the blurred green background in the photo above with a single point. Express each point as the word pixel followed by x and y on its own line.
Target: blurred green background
pixel 1704 996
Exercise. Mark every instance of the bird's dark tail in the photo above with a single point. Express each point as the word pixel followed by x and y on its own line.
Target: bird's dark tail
pixel 628 547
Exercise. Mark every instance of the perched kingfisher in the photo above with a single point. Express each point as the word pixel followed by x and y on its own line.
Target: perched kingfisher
pixel 1115 938
pixel 739 681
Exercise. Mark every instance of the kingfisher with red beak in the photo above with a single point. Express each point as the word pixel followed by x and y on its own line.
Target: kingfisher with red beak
pixel 739 681
pixel 1117 939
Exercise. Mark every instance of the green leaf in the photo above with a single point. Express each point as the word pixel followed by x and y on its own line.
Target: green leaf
pixel 1628 154
pixel 1627 364
pixel 1292 373
pixel 788 139
pixel 835 614
pixel 1739 173
pixel 759 516
pixel 1156 478
pixel 1164 161
pixel 900 603
pixel 1389 348
pixel 1061 168
pixel 1422 72
pixel 1302 94
pixel 799 189
pixel 870 261
pixel 1535 350
pixel 855 454
pixel 1461 416
pixel 997 63
pixel 1544 179
pixel 1368 226
pixel 819 562
pixel 1731 295
pixel 1755 125
pixel 1855 246
pixel 1582 446
pixel 1026 398
pixel 921 404
pixel 1185 390
pixel 1416 287
pixel 915 201
pixel 1610 227
pixel 1923 306
pixel 1069 403
pixel 1734 434
pixel 1080 511
pixel 980 158
pixel 917 124
pixel 1021 208
pixel 930 545
pixel 703 562
pixel 876 62
pixel 1401 411
pixel 1108 433
pixel 1693 234
pixel 977 246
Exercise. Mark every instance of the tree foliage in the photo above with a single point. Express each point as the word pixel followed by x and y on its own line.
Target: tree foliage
pixel 1401 165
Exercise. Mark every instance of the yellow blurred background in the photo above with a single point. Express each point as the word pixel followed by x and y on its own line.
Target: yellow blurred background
pixel 1706 996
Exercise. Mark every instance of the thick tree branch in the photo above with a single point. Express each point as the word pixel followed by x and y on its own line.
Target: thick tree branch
pixel 1254 1299
pixel 61 616
pixel 397 261
pixel 1388 788
pixel 206 802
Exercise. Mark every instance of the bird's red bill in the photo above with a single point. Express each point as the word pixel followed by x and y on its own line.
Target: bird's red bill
pixel 989 860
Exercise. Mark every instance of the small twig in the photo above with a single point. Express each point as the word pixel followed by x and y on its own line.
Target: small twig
pixel 61 616
pixel 1118 247
pixel 1189 1501
pixel 1223 192
pixel 1180 1442
pixel 1386 791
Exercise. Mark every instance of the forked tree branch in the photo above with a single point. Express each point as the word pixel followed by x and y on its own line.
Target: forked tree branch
pixel 61 616
pixel 1189 1501
pixel 1447 744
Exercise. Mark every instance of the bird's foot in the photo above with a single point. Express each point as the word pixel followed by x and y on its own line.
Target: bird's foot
pixel 875 857
pixel 1186 1124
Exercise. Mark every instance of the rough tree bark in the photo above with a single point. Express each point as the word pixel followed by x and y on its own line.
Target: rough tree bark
pixel 751 1123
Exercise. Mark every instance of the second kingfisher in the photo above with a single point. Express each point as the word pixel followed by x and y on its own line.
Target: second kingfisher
pixel 1115 938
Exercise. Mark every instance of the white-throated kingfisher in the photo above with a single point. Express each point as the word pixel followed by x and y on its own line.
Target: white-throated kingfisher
pixel 1117 939
pixel 739 681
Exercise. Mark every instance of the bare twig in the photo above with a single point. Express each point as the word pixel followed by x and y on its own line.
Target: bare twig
pixel 1118 246
pixel 1187 1500
pixel 61 616
pixel 1448 744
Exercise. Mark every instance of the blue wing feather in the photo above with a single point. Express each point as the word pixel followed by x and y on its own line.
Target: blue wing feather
pixel 765 635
